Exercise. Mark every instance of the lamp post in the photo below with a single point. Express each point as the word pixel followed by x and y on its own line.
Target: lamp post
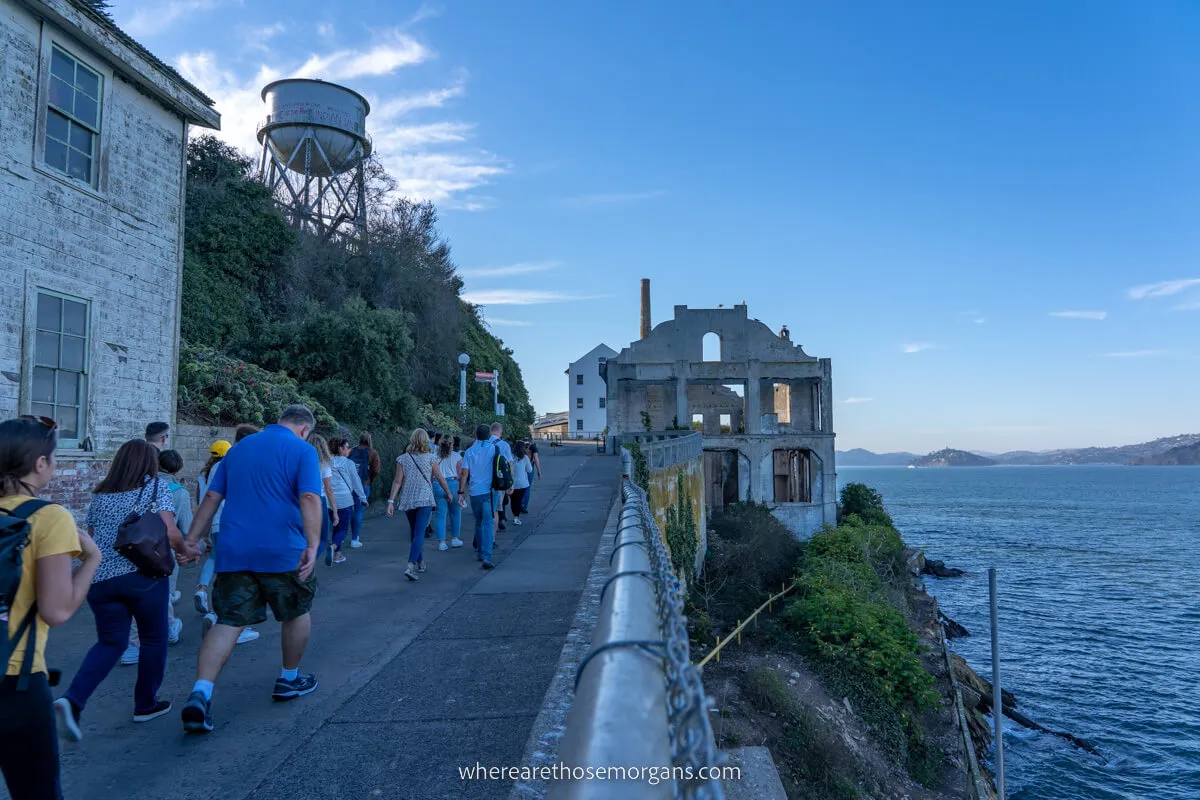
pixel 463 360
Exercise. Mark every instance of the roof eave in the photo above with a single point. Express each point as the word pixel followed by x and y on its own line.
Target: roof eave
pixel 131 60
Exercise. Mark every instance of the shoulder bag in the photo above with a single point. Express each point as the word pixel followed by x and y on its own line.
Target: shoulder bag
pixel 142 538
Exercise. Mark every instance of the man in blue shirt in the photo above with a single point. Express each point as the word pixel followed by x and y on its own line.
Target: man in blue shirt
pixel 270 528
pixel 476 481
pixel 500 499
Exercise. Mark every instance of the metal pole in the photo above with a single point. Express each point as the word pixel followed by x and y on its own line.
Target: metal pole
pixel 496 393
pixel 462 387
pixel 997 694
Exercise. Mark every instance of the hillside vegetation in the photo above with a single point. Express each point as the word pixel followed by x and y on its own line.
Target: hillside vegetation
pixel 836 681
pixel 272 315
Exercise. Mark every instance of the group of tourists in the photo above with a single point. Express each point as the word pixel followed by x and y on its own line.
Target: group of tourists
pixel 270 506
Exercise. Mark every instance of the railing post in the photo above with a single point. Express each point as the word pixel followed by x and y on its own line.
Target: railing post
pixel 997 693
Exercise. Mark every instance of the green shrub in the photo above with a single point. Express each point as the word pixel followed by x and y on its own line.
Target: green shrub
pixel 751 556
pixel 641 466
pixel 865 502
pixel 216 389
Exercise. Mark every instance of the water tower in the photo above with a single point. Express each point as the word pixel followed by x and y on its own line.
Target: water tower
pixel 314 146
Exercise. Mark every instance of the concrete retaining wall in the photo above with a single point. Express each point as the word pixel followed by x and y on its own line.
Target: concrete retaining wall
pixel 192 442
pixel 677 466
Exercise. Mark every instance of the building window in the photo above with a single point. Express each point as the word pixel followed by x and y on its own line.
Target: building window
pixel 578 424
pixel 602 402
pixel 579 379
pixel 579 402
pixel 60 367
pixel 793 476
pixel 72 117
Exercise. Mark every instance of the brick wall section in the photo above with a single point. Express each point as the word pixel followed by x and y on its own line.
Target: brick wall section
pixel 117 247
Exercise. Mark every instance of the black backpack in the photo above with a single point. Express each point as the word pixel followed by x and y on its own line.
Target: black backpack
pixel 15 530
pixel 361 456
pixel 501 472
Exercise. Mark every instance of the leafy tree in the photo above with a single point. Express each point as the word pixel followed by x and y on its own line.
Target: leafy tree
pixel 860 504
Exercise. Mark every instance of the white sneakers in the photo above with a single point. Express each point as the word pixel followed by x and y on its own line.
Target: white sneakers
pixel 443 546
pixel 173 631
pixel 247 635
pixel 200 599
pixel 130 656
pixel 516 520
pixel 356 543
pixel 175 597
pixel 456 542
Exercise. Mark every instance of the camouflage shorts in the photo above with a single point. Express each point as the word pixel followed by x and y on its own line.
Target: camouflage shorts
pixel 241 598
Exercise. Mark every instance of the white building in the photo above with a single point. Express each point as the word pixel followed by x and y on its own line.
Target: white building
pixel 92 170
pixel 588 394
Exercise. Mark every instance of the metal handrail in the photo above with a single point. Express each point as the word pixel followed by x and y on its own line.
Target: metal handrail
pixel 639 707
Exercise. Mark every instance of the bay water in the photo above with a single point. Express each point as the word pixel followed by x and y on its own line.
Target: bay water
pixel 1099 582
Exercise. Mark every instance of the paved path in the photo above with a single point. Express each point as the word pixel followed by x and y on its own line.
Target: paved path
pixel 416 679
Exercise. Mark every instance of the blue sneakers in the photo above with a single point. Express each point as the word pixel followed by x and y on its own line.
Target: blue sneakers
pixel 305 683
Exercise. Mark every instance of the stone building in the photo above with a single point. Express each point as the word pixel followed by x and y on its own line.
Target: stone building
pixel 587 394
pixel 765 408
pixel 92 168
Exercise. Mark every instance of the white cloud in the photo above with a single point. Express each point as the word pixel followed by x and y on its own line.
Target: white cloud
pixel 523 268
pixel 158 17
pixel 325 29
pixel 1162 289
pixel 610 198
pixel 398 50
pixel 858 399
pixel 258 38
pixel 399 106
pixel 498 322
pixel 429 161
pixel 516 297
pixel 1080 314
pixel 1193 305
pixel 1134 354
pixel 917 348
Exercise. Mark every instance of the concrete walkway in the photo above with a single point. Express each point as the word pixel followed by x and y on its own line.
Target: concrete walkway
pixel 417 680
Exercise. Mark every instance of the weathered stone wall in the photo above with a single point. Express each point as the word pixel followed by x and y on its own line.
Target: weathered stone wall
pixel 677 465
pixel 115 245
pixel 193 442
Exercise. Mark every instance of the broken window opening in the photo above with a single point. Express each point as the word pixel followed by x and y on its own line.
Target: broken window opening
pixel 783 403
pixel 698 422
pixel 711 347
pixel 726 423
pixel 793 476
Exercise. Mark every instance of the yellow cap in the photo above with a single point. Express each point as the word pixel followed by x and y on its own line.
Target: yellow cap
pixel 219 448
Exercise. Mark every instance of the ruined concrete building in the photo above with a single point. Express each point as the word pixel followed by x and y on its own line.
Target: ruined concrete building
pixel 92 169
pixel 765 408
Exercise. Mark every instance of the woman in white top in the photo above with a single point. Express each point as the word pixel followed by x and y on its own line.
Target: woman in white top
pixel 522 474
pixel 347 487
pixel 447 510
pixel 416 473
pixel 329 515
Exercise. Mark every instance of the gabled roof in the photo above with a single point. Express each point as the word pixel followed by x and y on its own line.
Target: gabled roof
pixel 129 58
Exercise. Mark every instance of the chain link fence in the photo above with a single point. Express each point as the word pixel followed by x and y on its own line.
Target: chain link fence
pixel 639 702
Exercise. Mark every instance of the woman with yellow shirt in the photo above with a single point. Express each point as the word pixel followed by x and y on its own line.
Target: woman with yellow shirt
pixel 28 744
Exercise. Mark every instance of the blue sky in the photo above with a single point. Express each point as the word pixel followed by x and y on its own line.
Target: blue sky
pixel 987 215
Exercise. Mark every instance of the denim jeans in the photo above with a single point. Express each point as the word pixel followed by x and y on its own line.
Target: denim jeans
pixel 343 527
pixel 418 520
pixel 356 518
pixel 525 499
pixel 447 510
pixel 28 742
pixel 485 534
pixel 210 564
pixel 113 603
pixel 326 528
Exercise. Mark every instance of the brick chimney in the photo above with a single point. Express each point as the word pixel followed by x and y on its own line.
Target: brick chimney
pixel 645 307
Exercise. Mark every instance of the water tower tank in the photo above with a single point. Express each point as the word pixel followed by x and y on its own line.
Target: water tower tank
pixel 332 116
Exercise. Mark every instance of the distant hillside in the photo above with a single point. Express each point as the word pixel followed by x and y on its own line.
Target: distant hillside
pixel 859 457
pixel 1187 455
pixel 1101 455
pixel 953 458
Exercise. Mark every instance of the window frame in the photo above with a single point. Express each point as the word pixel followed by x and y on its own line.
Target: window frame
pixel 52 39
pixel 34 292
pixel 579 426
pixel 602 399
pixel 579 403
